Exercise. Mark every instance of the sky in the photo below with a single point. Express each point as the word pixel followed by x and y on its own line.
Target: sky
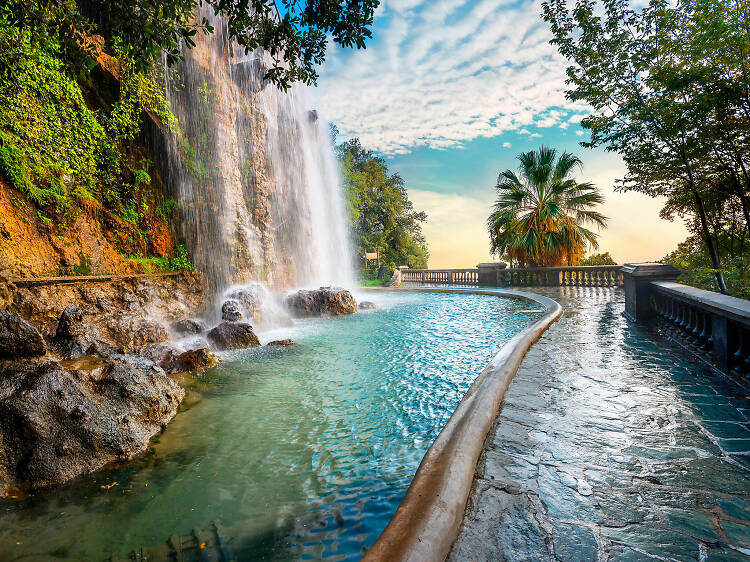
pixel 450 92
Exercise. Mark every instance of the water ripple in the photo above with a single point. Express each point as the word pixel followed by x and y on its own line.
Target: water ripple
pixel 301 453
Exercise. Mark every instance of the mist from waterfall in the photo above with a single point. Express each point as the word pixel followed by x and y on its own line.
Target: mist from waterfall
pixel 252 168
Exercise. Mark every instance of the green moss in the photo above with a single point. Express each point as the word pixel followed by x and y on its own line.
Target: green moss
pixel 63 155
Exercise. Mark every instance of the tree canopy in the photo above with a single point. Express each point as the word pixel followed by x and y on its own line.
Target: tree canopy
pixel 295 37
pixel 669 86
pixel 382 216
pixel 539 216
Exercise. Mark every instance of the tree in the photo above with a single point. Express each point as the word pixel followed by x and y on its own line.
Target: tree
pixel 598 259
pixel 295 37
pixel 669 89
pixel 382 216
pixel 538 218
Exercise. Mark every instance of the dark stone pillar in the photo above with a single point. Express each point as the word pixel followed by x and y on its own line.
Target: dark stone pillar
pixel 488 273
pixel 720 336
pixel 637 277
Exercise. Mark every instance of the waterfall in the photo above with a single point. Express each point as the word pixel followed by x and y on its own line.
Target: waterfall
pixel 252 168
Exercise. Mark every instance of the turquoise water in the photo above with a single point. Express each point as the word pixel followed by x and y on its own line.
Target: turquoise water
pixel 300 453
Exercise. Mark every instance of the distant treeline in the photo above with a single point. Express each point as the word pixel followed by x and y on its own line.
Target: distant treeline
pixel 382 216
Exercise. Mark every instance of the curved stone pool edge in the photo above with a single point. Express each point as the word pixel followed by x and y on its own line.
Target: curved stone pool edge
pixel 428 519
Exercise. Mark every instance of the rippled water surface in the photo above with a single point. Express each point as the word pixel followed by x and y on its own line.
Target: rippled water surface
pixel 299 453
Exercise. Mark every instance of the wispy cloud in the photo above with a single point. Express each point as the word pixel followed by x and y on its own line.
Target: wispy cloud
pixel 442 72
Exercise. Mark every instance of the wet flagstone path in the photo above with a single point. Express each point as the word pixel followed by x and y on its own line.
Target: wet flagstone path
pixel 610 446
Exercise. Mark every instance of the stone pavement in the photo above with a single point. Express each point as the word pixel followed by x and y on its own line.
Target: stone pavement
pixel 609 446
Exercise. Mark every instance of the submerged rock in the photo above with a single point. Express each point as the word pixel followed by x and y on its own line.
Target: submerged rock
pixel 367 305
pixel 280 343
pixel 326 301
pixel 233 335
pixel 60 420
pixel 189 326
pixel 230 311
pixel 193 361
pixel 18 338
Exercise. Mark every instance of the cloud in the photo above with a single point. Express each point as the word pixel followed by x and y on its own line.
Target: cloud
pixel 579 133
pixel 442 72
pixel 507 145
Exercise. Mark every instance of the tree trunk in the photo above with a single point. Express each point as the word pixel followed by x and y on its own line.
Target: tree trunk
pixel 710 244
pixel 746 210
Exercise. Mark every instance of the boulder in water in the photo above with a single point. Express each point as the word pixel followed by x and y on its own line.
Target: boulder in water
pixel 367 305
pixel 281 343
pixel 230 311
pixel 193 361
pixel 188 326
pixel 326 301
pixel 60 420
pixel 233 335
pixel 159 352
pixel 18 338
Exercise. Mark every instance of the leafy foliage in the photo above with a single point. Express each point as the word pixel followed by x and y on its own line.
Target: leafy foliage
pixel 66 157
pixel 295 37
pixel 669 85
pixel 693 260
pixel 598 259
pixel 538 218
pixel 382 216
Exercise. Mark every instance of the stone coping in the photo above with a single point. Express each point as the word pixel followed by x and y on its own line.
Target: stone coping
pixel 733 307
pixel 428 519
pixel 33 281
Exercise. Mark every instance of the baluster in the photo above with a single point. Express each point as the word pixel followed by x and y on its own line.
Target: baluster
pixel 696 331
pixel 740 355
pixel 704 336
pixel 683 317
pixel 677 311
pixel 677 317
pixel 689 325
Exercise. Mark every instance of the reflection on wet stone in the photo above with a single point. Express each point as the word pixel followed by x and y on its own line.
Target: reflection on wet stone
pixel 611 446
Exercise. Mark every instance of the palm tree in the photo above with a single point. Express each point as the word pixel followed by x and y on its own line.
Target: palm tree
pixel 539 216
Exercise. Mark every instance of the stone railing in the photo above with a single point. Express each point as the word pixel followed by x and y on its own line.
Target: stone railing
pixel 496 275
pixel 713 328
pixel 449 276
pixel 429 517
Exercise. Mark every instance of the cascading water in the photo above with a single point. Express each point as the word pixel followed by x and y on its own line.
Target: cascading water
pixel 253 172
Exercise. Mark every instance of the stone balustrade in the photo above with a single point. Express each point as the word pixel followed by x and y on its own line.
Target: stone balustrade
pixel 497 275
pixel 449 276
pixel 713 328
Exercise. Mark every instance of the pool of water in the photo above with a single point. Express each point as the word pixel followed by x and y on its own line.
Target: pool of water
pixel 300 453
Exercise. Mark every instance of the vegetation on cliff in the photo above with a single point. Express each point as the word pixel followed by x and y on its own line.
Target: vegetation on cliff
pixel 77 77
pixel 382 216
pixel 293 33
pixel 70 152
pixel 539 216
